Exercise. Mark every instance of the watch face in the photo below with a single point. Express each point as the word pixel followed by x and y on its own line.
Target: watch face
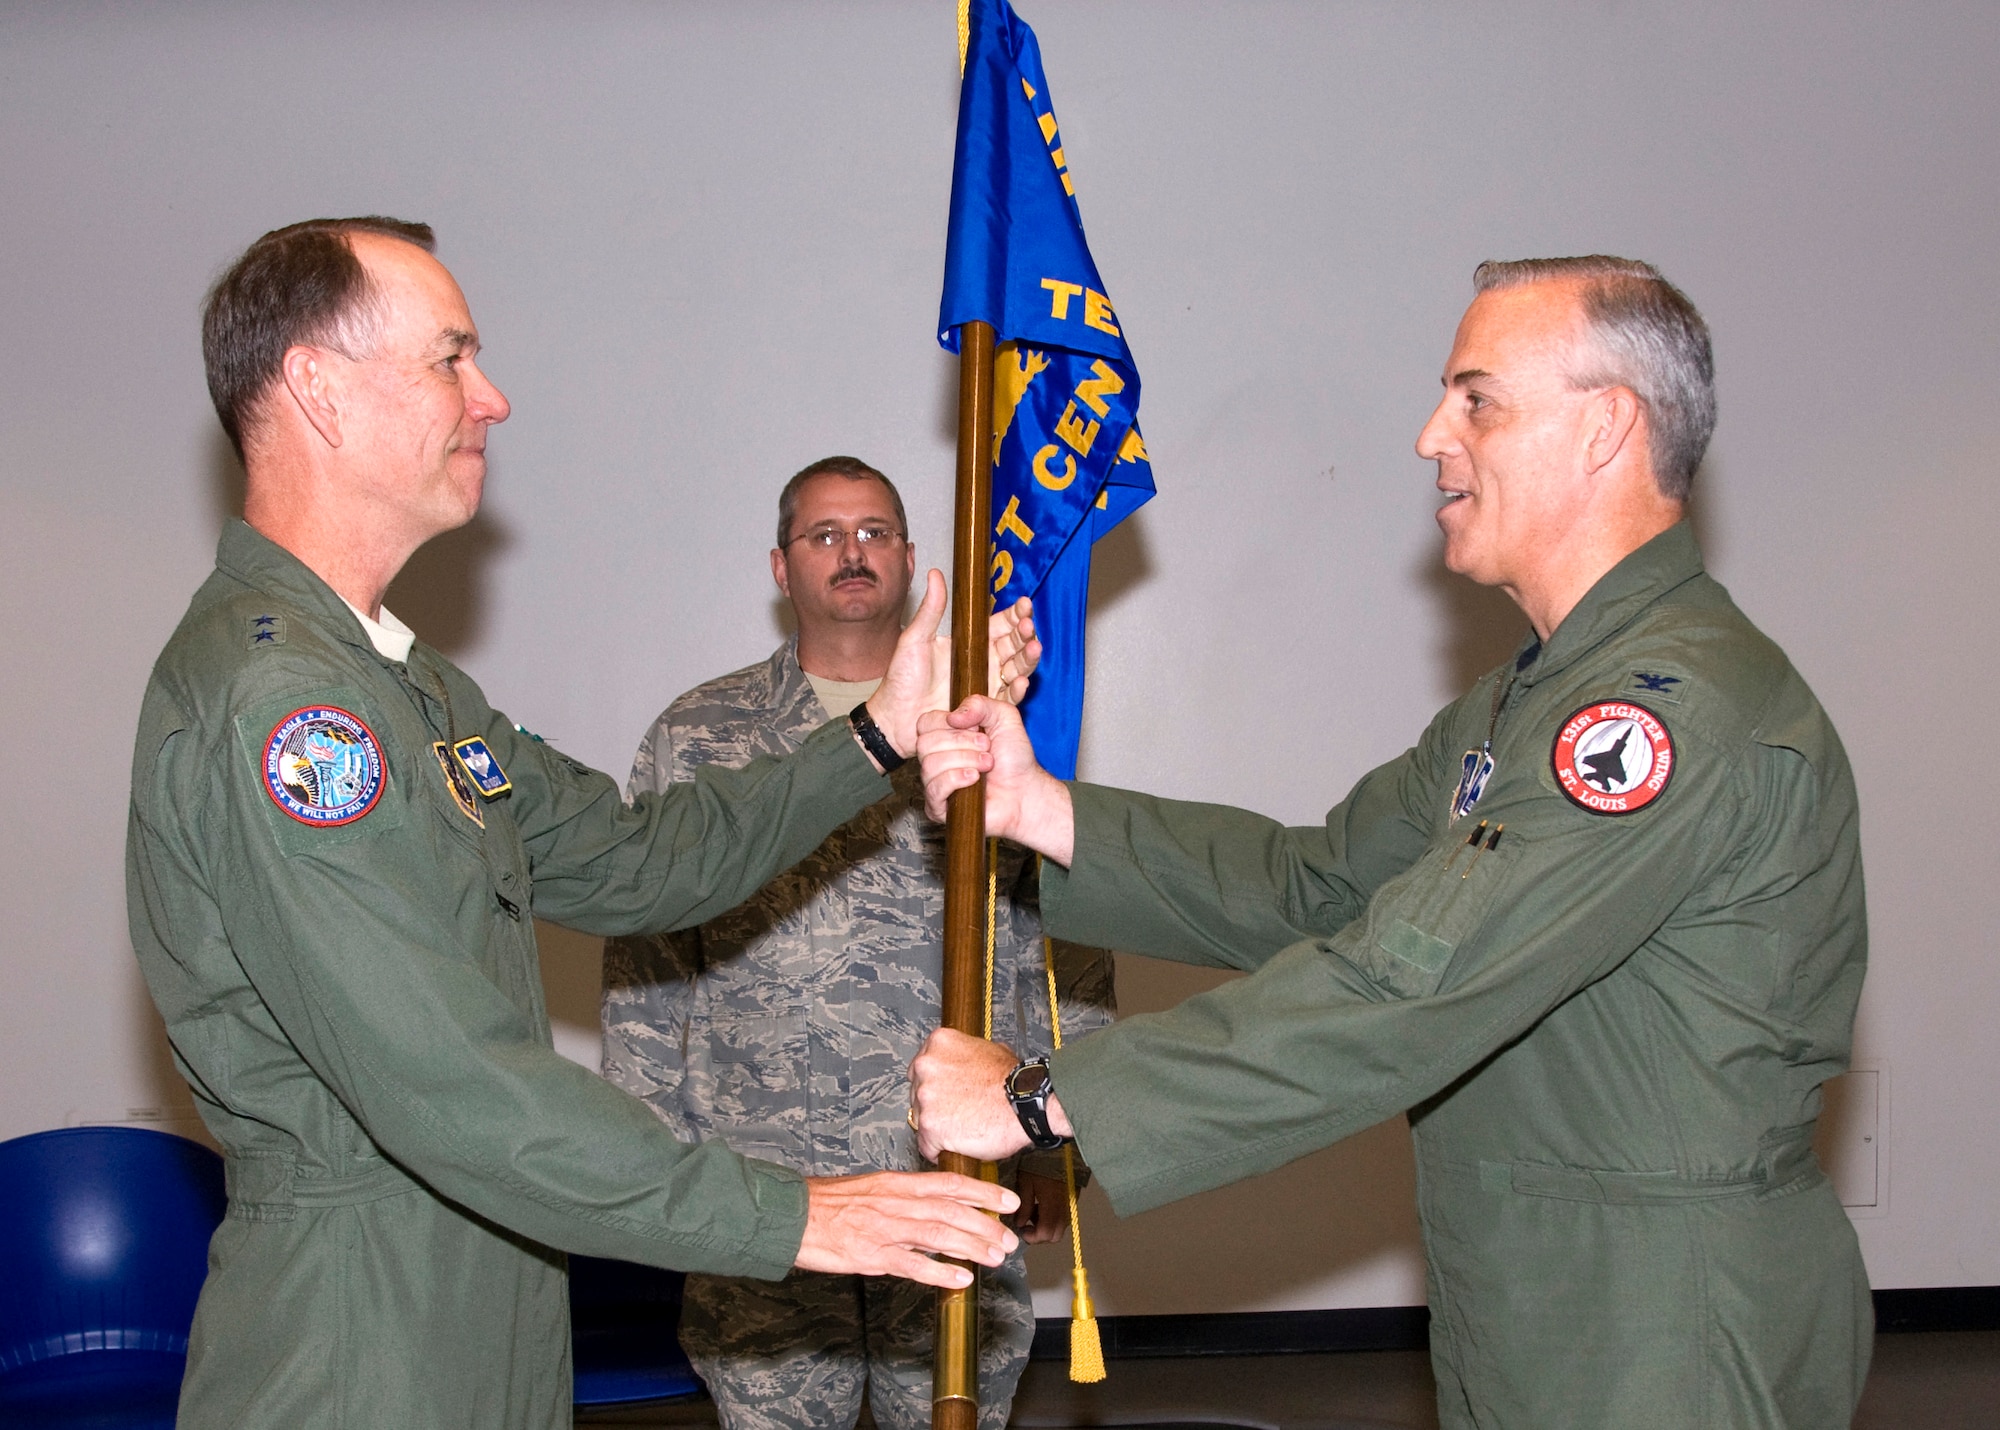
pixel 1027 1081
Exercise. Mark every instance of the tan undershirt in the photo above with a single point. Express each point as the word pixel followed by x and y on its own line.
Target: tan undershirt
pixel 838 696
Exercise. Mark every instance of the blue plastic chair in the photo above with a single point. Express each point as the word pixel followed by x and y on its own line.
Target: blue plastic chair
pixel 626 1346
pixel 103 1246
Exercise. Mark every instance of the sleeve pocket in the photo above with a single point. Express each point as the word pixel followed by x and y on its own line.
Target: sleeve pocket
pixel 1417 921
pixel 324 768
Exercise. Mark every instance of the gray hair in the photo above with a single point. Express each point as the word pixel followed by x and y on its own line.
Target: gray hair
pixel 1645 335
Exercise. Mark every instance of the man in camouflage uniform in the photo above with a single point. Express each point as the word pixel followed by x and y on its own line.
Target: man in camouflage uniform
pixel 786 1027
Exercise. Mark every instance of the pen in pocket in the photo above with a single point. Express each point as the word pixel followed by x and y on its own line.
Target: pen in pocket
pixel 1492 842
pixel 1470 843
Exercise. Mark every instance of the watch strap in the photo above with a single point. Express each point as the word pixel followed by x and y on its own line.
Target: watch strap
pixel 873 740
pixel 1032 1108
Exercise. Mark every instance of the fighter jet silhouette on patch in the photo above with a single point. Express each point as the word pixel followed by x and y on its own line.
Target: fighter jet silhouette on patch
pixel 1607 767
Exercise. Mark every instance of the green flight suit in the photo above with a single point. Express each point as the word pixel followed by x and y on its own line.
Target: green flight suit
pixel 358 1008
pixel 1609 1031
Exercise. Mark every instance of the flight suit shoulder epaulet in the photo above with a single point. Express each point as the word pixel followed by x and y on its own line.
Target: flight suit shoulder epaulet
pixel 1703 667
pixel 250 645
pixel 1752 693
pixel 239 651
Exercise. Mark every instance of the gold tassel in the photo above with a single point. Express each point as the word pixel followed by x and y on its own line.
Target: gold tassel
pixel 990 1171
pixel 1086 1345
pixel 964 31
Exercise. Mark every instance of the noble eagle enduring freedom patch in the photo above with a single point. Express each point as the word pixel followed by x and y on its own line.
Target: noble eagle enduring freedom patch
pixel 1613 757
pixel 323 766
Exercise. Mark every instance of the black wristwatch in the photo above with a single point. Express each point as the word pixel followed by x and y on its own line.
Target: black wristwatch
pixel 873 740
pixel 1028 1088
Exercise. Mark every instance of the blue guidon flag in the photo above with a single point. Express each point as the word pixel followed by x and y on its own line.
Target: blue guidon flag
pixel 1069 463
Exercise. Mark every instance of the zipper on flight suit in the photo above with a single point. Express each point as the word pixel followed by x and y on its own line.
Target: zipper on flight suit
pixel 1482 842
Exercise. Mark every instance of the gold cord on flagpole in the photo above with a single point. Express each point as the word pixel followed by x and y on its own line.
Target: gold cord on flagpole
pixel 964 31
pixel 992 902
pixel 990 1171
pixel 1086 1345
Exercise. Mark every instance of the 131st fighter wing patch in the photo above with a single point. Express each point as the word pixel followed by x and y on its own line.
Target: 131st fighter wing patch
pixel 323 766
pixel 1613 757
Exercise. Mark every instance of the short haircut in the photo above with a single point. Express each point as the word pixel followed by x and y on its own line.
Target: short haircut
pixel 788 499
pixel 1645 335
pixel 298 284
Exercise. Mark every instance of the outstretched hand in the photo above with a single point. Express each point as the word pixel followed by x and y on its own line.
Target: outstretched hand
pixel 919 676
pixel 1024 802
pixel 1012 652
pixel 894 1223
pixel 914 682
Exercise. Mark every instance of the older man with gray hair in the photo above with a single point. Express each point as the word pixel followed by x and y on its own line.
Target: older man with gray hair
pixel 1600 932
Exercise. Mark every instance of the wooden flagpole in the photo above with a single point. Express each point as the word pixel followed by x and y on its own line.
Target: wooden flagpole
pixel 955 1374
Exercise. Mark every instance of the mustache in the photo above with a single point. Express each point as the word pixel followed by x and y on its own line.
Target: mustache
pixel 851 571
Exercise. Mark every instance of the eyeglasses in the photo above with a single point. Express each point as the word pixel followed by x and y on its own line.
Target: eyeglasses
pixel 830 538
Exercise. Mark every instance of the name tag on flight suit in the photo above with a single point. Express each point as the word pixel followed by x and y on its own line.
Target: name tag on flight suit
pixel 479 764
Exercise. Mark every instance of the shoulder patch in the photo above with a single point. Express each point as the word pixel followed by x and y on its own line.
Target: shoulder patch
pixel 1613 757
pixel 323 766
pixel 264 630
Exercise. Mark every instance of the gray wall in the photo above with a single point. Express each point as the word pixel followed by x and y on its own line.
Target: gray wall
pixel 703 244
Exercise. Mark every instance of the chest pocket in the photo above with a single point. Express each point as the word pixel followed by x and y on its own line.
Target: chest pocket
pixel 1417 920
pixel 761 1093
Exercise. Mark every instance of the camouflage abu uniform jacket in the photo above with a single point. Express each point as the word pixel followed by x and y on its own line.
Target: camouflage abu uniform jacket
pixel 786 1026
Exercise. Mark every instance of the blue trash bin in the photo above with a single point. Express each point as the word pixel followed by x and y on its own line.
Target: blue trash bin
pixel 103 1247
pixel 626 1320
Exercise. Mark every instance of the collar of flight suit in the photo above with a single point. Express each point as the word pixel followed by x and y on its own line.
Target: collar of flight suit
pixel 1669 560
pixel 257 561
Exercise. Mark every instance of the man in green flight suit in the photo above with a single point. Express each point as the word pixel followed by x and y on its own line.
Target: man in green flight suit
pixel 1601 932
pixel 336 849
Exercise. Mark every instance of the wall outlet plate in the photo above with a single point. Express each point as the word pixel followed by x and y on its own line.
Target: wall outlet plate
pixel 1850 1143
